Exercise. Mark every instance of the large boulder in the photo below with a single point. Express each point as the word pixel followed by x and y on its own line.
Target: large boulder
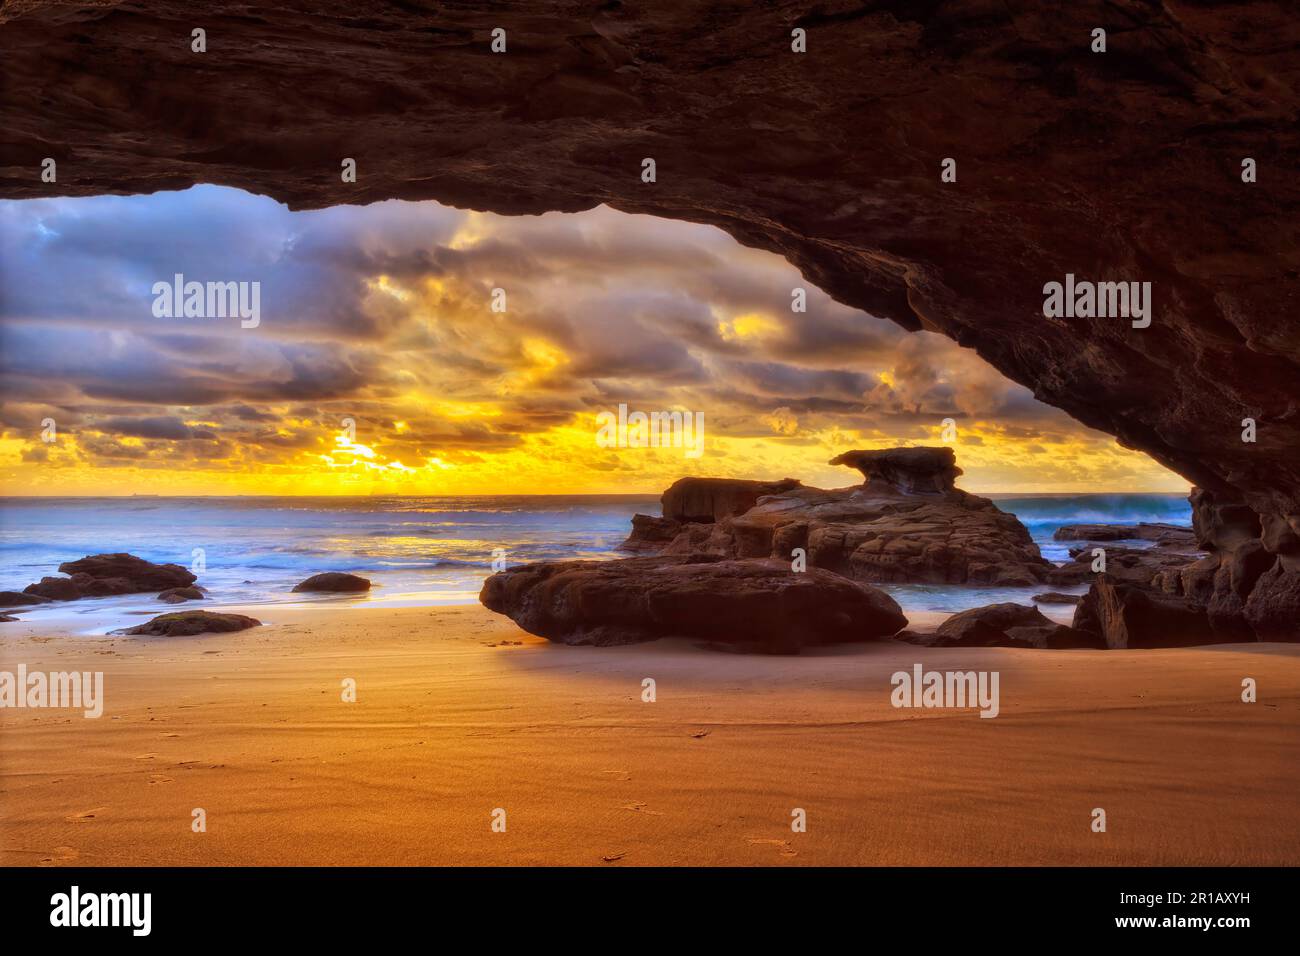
pixel 186 623
pixel 334 581
pixel 754 605
pixel 1002 625
pixel 1126 614
pixel 121 573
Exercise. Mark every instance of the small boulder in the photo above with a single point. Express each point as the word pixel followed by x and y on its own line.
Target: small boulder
pixel 334 581
pixel 1056 597
pixel 180 595
pixel 186 623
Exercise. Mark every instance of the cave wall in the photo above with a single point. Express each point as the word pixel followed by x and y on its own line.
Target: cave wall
pixel 1123 165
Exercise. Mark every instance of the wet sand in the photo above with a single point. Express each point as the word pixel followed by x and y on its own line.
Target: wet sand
pixel 459 713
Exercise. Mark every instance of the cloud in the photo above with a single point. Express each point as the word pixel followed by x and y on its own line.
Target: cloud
pixel 382 314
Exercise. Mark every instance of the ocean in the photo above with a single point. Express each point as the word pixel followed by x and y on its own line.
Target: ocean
pixel 416 550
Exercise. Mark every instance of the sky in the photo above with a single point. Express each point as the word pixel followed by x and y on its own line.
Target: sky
pixel 383 316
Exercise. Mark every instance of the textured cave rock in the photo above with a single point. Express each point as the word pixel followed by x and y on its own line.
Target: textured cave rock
pixel 1119 166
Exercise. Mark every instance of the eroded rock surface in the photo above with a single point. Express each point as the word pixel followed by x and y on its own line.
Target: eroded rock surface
pixel 104 575
pixel 1123 166
pixel 906 524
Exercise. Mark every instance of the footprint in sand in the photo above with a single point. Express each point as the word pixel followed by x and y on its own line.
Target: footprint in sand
pixel 85 816
pixel 618 774
pixel 156 778
pixel 782 845
pixel 62 856
pixel 638 806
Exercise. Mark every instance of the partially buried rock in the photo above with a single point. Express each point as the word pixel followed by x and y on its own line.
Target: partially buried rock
pixel 754 605
pixel 1002 625
pixel 334 581
pixel 180 595
pixel 19 599
pixel 186 623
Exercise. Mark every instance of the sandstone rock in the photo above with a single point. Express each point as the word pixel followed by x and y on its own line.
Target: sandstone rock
pixel 1129 615
pixel 57 589
pixel 180 595
pixel 906 524
pixel 18 598
pixel 712 499
pixel 186 623
pixel 334 581
pixel 119 570
pixel 650 533
pixel 1166 535
pixel 1095 532
pixel 1273 607
pixel 913 471
pixel 7 618
pixel 754 605
pixel 877 533
pixel 1056 597
pixel 1002 625
pixel 1221 521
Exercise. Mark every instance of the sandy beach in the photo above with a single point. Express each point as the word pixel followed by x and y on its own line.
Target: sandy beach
pixel 458 712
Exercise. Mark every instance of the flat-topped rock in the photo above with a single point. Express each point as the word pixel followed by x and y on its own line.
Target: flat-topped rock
pixel 1166 535
pixel 712 499
pixel 180 595
pixel 752 605
pixel 187 623
pixel 913 471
